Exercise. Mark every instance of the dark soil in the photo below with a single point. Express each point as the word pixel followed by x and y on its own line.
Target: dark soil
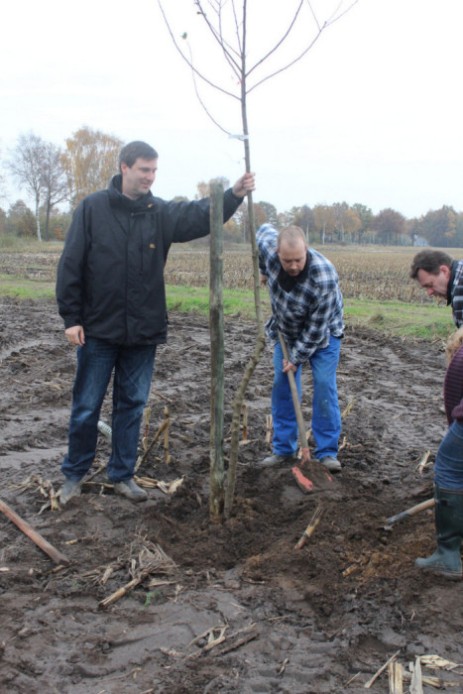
pixel 233 606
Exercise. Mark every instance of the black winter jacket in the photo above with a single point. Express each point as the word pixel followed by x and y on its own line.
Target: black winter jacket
pixel 111 272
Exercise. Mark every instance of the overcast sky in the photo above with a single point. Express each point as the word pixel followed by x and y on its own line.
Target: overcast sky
pixel 370 115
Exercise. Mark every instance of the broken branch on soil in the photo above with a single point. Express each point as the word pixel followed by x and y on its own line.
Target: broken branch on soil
pixel 149 561
pixel 141 458
pixel 268 429
pixel 423 462
pixel 28 530
pixel 146 427
pixel 166 487
pixel 216 637
pixel 45 488
pixel 395 672
pixel 346 411
pixel 373 679
pixel 310 529
pixel 237 639
pixel 167 456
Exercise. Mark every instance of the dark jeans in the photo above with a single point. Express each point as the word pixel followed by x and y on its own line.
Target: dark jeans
pixel 448 468
pixel 133 370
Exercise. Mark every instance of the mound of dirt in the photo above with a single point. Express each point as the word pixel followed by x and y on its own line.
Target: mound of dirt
pixel 156 598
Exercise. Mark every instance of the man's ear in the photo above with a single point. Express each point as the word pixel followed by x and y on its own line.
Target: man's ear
pixel 445 271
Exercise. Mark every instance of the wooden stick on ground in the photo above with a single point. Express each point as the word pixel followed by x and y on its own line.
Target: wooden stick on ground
pixel 396 675
pixel 28 530
pixel 314 521
pixel 141 458
pixel 383 667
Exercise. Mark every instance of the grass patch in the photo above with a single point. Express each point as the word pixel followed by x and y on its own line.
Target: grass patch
pixel 423 321
pixel 186 299
pixel 20 288
pixel 18 244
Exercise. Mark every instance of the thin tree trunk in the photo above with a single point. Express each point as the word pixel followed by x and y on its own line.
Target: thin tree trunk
pixel 260 337
pixel 217 473
pixel 37 218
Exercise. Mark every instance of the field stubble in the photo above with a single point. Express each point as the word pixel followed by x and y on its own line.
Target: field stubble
pixel 376 273
pixel 365 272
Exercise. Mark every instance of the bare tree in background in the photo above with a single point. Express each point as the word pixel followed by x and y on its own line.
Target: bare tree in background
pixel 233 27
pixel 25 163
pixel 54 181
pixel 37 166
pixel 3 196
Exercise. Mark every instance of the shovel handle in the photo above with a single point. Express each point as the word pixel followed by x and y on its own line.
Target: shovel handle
pixel 295 396
pixel 429 503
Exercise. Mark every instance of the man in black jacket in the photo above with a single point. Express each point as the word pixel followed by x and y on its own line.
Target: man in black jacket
pixel 111 295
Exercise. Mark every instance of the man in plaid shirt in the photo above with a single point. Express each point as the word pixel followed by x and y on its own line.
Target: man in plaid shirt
pixel 441 276
pixel 307 309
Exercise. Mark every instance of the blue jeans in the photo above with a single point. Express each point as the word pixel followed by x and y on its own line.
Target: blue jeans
pixel 326 416
pixel 133 370
pixel 448 468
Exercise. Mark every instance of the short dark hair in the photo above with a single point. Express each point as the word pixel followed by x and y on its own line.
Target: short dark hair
pixel 429 261
pixel 136 150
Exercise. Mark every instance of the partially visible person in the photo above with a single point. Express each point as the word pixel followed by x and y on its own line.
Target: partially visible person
pixel 448 472
pixel 440 276
pixel 307 308
pixel 111 295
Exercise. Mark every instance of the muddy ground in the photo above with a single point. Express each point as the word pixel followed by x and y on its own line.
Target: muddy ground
pixel 229 607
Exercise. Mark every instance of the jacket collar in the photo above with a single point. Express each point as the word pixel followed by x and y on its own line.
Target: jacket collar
pixel 117 199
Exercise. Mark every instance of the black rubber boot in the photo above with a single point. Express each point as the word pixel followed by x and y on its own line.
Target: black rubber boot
pixel 446 560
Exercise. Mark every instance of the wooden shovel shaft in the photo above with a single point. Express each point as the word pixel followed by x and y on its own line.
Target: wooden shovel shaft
pixel 429 503
pixel 295 396
pixel 28 530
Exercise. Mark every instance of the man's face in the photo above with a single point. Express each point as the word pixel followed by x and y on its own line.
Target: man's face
pixel 138 179
pixel 293 257
pixel 435 285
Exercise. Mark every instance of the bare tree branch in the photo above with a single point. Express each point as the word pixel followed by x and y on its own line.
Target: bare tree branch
pixel 188 62
pixel 278 43
pixel 321 27
pixel 226 48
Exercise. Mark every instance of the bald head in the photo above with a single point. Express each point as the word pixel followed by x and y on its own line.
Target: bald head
pixel 292 250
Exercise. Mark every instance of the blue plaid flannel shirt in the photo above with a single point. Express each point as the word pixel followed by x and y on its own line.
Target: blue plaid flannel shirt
pixel 313 309
pixel 456 294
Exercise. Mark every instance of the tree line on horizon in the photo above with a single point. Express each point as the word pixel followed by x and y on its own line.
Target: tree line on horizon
pixel 56 179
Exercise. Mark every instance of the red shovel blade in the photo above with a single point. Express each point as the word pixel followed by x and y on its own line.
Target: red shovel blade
pixel 302 481
pixel 311 476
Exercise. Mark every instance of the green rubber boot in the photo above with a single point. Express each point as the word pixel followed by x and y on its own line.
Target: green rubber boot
pixel 446 560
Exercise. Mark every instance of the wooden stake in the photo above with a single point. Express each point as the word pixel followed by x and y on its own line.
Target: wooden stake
pixel 28 530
